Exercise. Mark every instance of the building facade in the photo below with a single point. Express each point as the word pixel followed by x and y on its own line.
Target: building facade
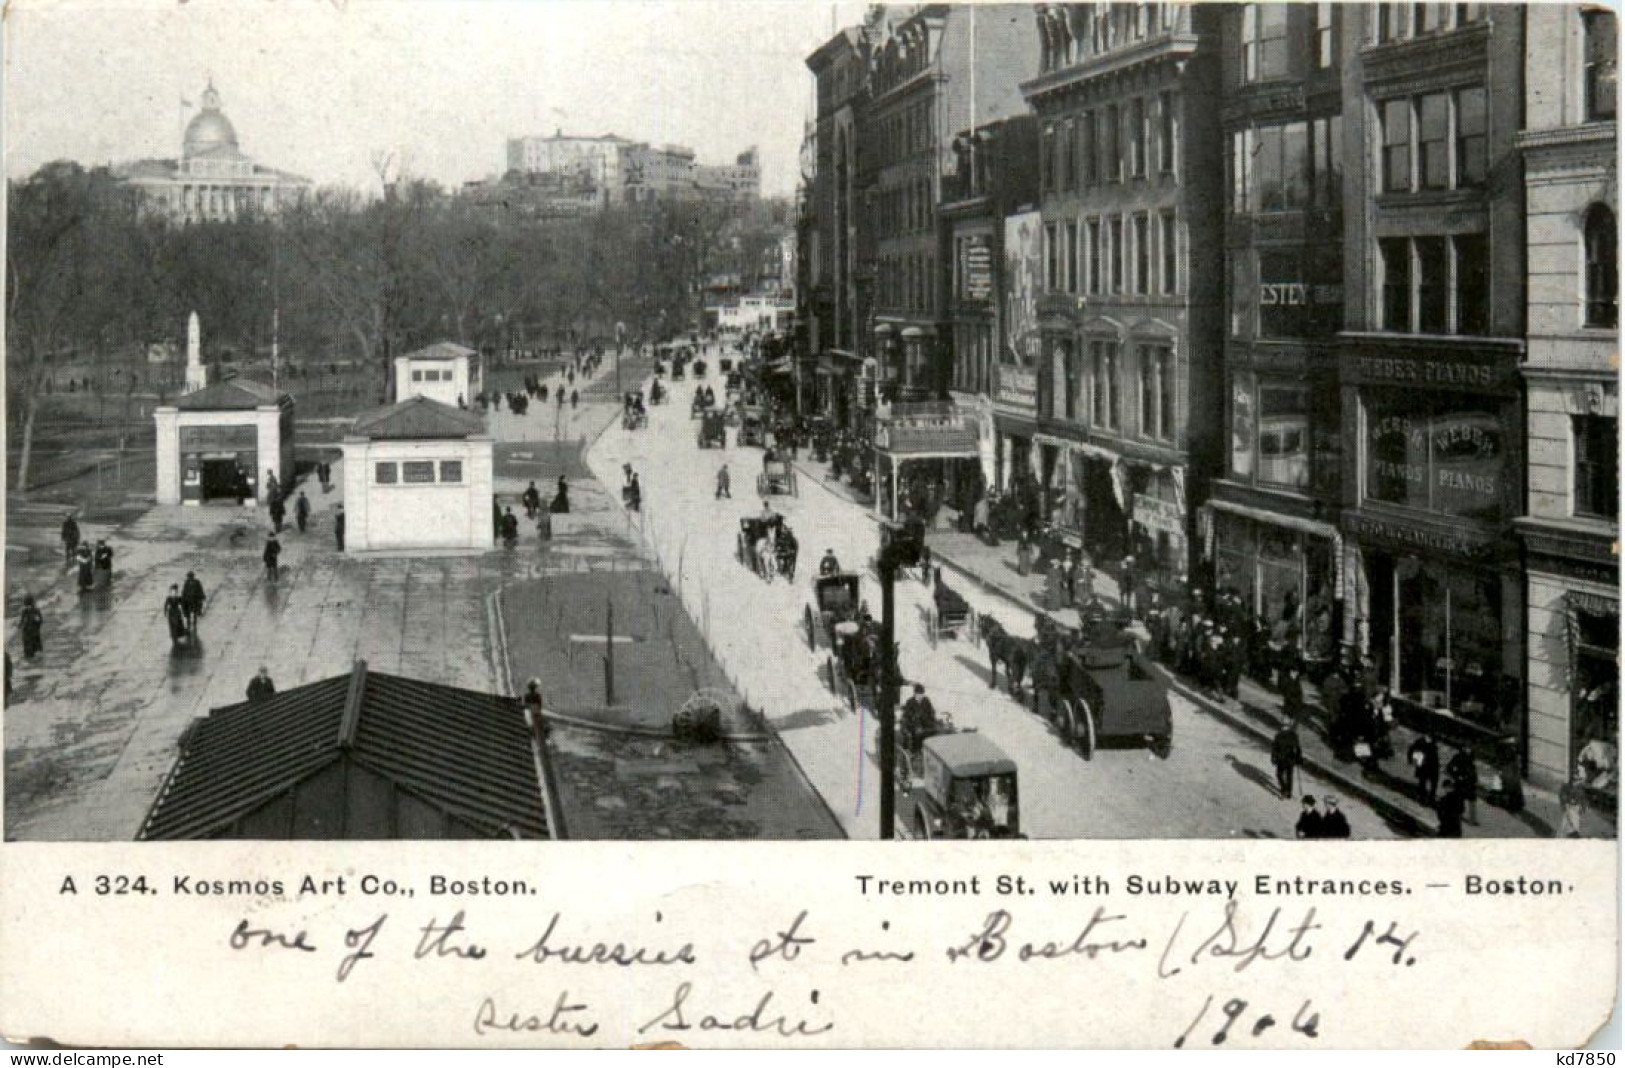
pixel 936 70
pixel 993 179
pixel 1130 168
pixel 215 444
pixel 418 475
pixel 598 162
pixel 1430 363
pixel 213 180
pixel 1273 510
pixel 442 372
pixel 1571 387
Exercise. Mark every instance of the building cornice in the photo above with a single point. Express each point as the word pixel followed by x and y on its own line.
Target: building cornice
pixel 1169 45
pixel 1599 134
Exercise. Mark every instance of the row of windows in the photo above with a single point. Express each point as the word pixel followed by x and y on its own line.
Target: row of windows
pixel 1150 386
pixel 432 375
pixel 1395 22
pixel 908 282
pixel 1288 166
pixel 909 131
pixel 1115 254
pixel 1071 33
pixel 1435 141
pixel 1265 51
pixel 905 209
pixel 1110 144
pixel 1435 285
pixel 417 472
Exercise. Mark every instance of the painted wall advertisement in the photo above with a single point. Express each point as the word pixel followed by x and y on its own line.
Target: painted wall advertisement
pixel 1023 276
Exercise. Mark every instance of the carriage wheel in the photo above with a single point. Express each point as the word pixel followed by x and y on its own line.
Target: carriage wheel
pixel 1082 726
pixel 931 626
pixel 812 634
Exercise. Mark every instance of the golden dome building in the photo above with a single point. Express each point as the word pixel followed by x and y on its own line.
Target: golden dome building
pixel 213 180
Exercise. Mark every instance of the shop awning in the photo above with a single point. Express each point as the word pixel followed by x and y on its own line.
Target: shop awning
pixel 1312 527
pixel 928 442
pixel 776 367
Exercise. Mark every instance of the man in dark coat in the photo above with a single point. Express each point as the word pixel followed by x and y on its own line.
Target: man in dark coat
pixel 533 500
pixel 1311 824
pixel 104 563
pixel 70 539
pixel 1449 807
pixel 1292 705
pixel 260 686
pixel 1333 824
pixel 338 527
pixel 1286 753
pixel 1462 770
pixel 278 512
pixel 561 499
pixel 1424 757
pixel 87 573
pixel 301 511
pixel 175 615
pixel 192 599
pixel 31 623
pixel 272 557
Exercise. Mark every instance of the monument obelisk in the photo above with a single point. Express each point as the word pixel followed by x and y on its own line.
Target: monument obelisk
pixel 197 376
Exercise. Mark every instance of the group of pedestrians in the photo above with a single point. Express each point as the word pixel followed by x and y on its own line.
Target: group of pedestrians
pixel 183 608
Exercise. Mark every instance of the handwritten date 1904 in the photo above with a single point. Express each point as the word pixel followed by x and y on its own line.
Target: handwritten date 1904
pixel 1306 1021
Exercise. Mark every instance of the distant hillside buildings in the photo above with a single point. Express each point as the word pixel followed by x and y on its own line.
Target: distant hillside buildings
pixel 566 174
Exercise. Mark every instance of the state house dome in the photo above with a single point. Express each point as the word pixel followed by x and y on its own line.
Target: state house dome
pixel 209 130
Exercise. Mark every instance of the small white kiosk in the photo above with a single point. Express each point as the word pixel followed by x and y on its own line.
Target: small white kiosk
pixel 216 444
pixel 417 475
pixel 442 372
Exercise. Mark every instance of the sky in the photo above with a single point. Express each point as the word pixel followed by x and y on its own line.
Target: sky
pixel 323 88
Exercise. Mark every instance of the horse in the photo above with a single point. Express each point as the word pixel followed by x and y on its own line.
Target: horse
pixel 1004 648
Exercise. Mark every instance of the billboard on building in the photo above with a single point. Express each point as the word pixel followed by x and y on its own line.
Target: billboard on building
pixel 1023 278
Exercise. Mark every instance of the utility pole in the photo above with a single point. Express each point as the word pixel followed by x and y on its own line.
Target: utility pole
pixel 886 694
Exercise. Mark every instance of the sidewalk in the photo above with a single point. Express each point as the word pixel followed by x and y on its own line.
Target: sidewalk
pixel 1391 790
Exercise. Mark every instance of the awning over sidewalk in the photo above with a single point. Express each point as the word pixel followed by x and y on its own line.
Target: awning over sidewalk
pixel 928 442
pixel 1312 527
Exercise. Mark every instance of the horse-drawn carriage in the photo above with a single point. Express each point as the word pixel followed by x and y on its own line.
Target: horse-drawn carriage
pixel 855 662
pixel 835 601
pixel 905 540
pixel 966 788
pixel 633 414
pixel 949 615
pixel 752 430
pixel 778 476
pixel 713 432
pixel 1091 685
pixel 767 546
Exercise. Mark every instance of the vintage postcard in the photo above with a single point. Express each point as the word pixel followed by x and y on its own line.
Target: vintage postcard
pixel 789 524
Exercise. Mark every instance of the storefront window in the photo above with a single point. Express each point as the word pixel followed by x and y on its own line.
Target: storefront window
pixel 1283 435
pixel 1433 455
pixel 1243 428
pixel 1450 639
pixel 1594 689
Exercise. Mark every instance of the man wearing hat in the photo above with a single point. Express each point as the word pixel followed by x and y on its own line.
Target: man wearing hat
pixel 919 720
pixel 829 565
pixel 1333 824
pixel 1311 824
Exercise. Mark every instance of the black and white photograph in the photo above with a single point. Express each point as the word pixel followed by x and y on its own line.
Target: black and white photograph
pixel 807 422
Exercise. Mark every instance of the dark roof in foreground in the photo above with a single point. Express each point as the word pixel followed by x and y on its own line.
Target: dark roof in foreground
pixel 234 394
pixel 358 756
pixel 418 418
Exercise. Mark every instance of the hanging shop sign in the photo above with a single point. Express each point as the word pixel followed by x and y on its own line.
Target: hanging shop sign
pixel 1154 513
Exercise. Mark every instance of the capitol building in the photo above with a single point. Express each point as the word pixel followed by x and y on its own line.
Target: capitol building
pixel 213 180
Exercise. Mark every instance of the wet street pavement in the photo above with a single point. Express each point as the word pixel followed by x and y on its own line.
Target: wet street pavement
pixel 93 725
pixel 1216 783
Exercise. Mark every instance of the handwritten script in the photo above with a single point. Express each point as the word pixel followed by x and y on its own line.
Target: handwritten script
pixel 785 983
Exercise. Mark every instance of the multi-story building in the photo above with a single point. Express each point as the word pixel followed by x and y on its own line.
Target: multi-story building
pixel 935 70
pixel 658 172
pixel 1130 169
pixel 740 180
pixel 1431 359
pixel 828 297
pixel 1571 380
pixel 992 180
pixel 213 180
pixel 600 161
pixel 1274 505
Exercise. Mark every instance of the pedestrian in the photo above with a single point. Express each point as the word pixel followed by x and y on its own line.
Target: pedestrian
pixel 1311 824
pixel 1333 823
pixel 532 498
pixel 273 487
pixel 723 489
pixel 301 511
pixel 561 499
pixel 104 564
pixel 8 675
pixel 271 556
pixel 575 398
pixel 1331 695
pixel 1572 795
pixel 338 527
pixel 279 511
pixel 1462 770
pixel 634 499
pixel 1292 704
pixel 324 471
pixel 260 686
pixel 175 615
pixel 533 700
pixel 31 623
pixel 1424 757
pixel 70 539
pixel 1286 753
pixel 1449 808
pixel 192 599
pixel 87 573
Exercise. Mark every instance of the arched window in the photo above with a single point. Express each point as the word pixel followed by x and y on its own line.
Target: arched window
pixel 1602 267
